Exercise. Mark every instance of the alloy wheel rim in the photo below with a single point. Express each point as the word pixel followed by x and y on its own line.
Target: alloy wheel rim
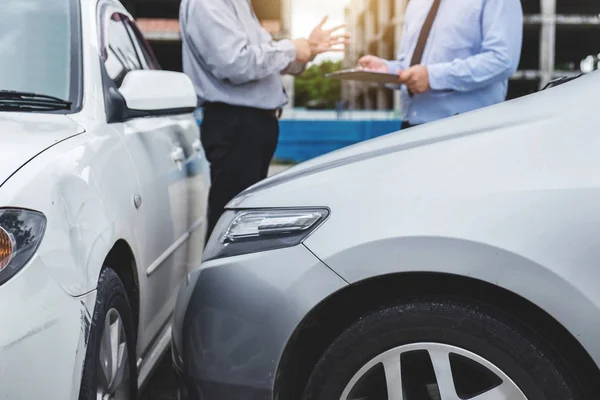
pixel 113 376
pixel 452 373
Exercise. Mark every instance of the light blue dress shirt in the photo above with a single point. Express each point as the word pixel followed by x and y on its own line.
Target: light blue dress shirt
pixel 473 49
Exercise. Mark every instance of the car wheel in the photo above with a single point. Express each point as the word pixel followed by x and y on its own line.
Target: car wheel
pixel 110 370
pixel 440 349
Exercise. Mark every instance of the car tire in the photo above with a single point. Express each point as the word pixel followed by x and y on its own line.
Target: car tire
pixel 466 339
pixel 112 319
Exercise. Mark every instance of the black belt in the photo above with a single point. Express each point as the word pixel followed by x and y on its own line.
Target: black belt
pixel 276 113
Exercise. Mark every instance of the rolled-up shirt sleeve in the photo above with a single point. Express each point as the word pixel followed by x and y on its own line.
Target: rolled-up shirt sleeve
pixel 502 23
pixel 227 50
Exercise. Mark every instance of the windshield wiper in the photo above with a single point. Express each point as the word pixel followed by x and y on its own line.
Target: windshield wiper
pixel 11 100
pixel 561 81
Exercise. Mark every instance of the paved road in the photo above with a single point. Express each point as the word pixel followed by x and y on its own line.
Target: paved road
pixel 161 385
pixel 275 169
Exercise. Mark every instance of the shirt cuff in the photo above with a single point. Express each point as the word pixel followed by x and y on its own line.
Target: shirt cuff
pixel 288 48
pixel 295 68
pixel 438 78
pixel 392 66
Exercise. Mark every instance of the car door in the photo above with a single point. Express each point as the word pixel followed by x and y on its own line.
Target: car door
pixel 196 166
pixel 159 160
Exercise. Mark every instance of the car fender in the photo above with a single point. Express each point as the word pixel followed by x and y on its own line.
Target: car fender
pixel 85 187
pixel 444 255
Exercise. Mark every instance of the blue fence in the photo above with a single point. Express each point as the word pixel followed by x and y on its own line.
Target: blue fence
pixel 301 140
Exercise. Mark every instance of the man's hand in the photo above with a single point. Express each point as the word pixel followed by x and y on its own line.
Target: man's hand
pixel 324 40
pixel 303 51
pixel 373 63
pixel 416 79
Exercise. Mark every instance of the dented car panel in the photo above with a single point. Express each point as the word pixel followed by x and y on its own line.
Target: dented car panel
pixel 101 185
pixel 235 316
pixel 46 341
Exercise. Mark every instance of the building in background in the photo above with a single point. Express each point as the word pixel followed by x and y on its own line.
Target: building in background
pixel 558 34
pixel 158 20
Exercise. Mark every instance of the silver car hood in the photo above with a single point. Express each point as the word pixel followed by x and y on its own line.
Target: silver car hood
pixel 560 104
pixel 25 135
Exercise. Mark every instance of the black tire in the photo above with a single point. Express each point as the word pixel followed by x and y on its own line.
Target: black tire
pixel 531 363
pixel 111 294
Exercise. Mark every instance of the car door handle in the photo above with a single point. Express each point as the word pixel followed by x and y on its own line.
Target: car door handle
pixel 178 155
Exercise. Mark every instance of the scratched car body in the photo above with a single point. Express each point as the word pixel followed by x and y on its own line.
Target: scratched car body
pixel 103 186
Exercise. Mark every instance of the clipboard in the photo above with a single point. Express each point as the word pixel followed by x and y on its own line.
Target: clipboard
pixel 363 75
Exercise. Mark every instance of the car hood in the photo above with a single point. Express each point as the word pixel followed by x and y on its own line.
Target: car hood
pixel 559 105
pixel 24 135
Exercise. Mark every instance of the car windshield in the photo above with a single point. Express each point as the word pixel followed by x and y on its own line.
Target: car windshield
pixel 39 51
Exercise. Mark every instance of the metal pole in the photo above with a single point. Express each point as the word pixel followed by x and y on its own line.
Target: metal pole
pixel 400 12
pixel 353 52
pixel 370 34
pixel 383 47
pixel 547 41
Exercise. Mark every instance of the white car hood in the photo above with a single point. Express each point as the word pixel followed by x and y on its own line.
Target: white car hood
pixel 559 104
pixel 25 135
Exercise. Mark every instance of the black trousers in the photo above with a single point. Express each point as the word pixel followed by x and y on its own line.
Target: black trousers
pixel 239 143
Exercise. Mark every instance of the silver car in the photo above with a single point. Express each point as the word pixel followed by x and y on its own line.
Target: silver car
pixel 457 260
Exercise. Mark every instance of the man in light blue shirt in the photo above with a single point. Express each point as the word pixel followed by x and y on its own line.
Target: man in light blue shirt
pixel 455 56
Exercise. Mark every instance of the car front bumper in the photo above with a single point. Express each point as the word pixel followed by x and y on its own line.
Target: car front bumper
pixel 42 338
pixel 235 316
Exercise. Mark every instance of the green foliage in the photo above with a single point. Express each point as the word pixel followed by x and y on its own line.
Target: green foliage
pixel 313 90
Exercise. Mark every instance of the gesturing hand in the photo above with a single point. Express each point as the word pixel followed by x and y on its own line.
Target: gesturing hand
pixel 324 40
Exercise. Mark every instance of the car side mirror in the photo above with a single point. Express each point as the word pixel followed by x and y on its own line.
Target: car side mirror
pixel 153 93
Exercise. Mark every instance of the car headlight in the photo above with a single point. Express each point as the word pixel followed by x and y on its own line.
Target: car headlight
pixel 250 231
pixel 21 232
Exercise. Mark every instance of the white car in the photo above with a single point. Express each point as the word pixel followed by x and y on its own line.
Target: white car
pixel 103 193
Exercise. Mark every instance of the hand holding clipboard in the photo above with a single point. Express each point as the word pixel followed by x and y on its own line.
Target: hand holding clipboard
pixel 375 70
pixel 365 75
pixel 370 69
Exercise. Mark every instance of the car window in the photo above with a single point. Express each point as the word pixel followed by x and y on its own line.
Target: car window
pixel 138 47
pixel 39 47
pixel 120 53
